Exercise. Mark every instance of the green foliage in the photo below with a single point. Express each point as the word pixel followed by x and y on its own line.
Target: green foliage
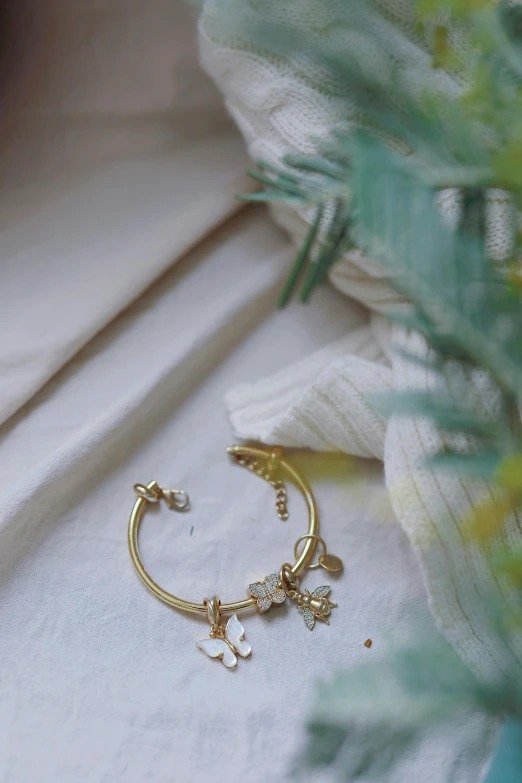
pixel 507 761
pixel 445 116
pixel 381 709
pixel 511 565
pixel 482 465
pixel 376 188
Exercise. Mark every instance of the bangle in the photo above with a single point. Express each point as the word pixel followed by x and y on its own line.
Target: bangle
pixel 225 642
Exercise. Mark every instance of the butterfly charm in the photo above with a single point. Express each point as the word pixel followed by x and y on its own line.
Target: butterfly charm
pixel 315 605
pixel 267 592
pixel 226 643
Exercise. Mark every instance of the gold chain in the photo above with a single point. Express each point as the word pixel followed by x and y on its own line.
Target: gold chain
pixel 264 472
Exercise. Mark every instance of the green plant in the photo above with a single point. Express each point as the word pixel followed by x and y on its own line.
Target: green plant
pixel 447 116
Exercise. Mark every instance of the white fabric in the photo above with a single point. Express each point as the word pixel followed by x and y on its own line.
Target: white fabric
pixel 114 369
pixel 101 681
pixel 116 177
pixel 284 105
pixel 297 407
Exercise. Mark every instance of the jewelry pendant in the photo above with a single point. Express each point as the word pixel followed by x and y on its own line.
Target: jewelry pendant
pixel 325 560
pixel 315 605
pixel 267 592
pixel 225 642
pixel 330 562
pixel 274 589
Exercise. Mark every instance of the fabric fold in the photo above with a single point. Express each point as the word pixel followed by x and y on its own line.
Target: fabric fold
pixel 105 242
pixel 322 403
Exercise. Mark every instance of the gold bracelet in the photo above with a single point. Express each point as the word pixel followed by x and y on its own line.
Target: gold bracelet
pixel 226 642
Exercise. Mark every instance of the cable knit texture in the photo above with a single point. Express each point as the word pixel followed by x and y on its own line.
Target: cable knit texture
pixel 322 403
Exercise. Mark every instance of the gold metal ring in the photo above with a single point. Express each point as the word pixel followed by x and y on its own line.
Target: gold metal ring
pixel 310 537
pixel 236 606
pixel 147 493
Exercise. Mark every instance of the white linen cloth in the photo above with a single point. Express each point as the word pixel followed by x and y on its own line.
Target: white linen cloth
pixel 114 367
pixel 284 105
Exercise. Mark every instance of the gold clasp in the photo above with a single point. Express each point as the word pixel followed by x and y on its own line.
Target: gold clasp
pixel 176 499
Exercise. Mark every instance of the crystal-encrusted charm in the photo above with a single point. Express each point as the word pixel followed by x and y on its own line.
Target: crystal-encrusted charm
pixel 267 592
pixel 315 605
pixel 274 589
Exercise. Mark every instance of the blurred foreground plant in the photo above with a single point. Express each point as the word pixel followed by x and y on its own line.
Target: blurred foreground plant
pixel 364 719
pixel 446 116
pixel 377 189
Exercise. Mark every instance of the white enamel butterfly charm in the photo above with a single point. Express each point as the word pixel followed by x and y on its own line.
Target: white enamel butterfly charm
pixel 267 592
pixel 225 642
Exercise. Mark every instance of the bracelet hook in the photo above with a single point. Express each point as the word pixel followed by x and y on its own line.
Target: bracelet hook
pixel 176 499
